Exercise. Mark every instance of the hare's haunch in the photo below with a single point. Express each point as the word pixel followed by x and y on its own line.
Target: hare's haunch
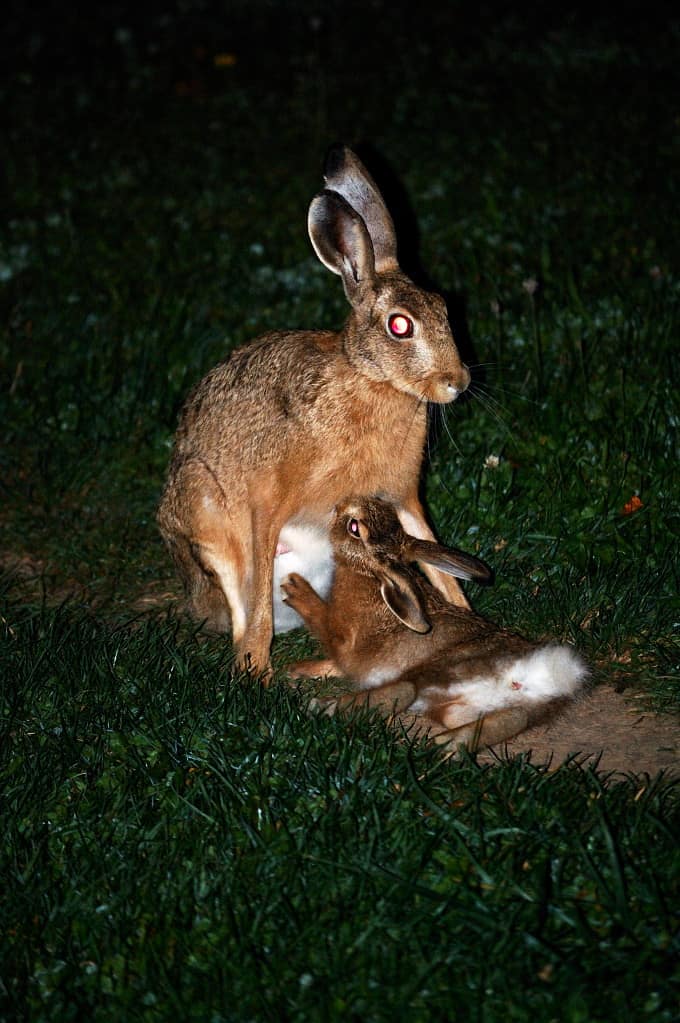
pixel 270 440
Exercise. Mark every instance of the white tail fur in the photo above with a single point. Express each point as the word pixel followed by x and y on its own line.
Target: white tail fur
pixel 548 673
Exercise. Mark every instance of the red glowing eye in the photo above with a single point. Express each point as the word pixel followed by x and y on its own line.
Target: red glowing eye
pixel 353 527
pixel 400 325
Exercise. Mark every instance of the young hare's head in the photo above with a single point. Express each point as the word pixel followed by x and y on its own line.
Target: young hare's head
pixel 368 538
pixel 396 331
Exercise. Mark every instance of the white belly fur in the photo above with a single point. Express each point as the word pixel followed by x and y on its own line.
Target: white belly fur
pixel 307 551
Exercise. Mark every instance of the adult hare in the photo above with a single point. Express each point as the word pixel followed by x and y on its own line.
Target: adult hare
pixel 271 439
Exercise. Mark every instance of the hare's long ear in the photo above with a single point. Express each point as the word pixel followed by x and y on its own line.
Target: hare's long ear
pixel 403 601
pixel 457 563
pixel 344 173
pixel 341 242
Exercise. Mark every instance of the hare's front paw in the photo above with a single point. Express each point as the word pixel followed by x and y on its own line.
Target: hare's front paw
pixel 298 594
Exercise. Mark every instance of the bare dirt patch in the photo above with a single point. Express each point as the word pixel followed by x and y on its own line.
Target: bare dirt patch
pixel 604 729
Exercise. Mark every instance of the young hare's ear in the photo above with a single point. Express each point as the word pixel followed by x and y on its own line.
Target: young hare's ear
pixel 402 600
pixel 344 173
pixel 456 563
pixel 341 242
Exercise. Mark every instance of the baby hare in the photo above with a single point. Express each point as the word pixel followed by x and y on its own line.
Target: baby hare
pixel 270 440
pixel 408 650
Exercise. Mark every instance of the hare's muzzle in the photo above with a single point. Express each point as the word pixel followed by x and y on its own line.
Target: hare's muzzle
pixel 445 387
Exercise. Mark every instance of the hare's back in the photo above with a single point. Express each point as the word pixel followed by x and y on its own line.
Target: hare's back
pixel 466 636
pixel 266 382
pixel 282 361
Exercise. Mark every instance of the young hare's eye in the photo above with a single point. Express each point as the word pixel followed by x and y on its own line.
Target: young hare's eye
pixel 400 326
pixel 353 527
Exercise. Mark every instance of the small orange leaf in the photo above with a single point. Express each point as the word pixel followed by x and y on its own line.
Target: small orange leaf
pixel 224 59
pixel 632 506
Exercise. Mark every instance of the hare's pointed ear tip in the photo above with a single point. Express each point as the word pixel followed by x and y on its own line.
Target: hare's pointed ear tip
pixel 474 570
pixel 336 158
pixel 484 574
pixel 452 562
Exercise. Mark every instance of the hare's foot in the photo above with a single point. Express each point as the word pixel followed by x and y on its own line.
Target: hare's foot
pixel 252 654
pixel 304 599
pixel 258 670
pixel 313 668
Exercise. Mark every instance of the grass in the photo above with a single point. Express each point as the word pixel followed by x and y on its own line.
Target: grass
pixel 177 843
pixel 181 848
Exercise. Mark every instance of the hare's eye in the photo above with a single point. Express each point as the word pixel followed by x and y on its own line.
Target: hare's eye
pixel 353 527
pixel 400 326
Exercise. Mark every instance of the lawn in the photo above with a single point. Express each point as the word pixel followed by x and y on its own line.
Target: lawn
pixel 176 842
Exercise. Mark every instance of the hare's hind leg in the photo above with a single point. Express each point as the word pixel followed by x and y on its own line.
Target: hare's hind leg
pixel 237 546
pixel 206 547
pixel 205 601
pixel 488 730
pixel 389 700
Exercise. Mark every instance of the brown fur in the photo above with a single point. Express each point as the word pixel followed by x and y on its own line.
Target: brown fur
pixel 389 631
pixel 292 422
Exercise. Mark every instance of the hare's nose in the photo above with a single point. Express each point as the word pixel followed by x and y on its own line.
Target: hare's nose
pixel 461 382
